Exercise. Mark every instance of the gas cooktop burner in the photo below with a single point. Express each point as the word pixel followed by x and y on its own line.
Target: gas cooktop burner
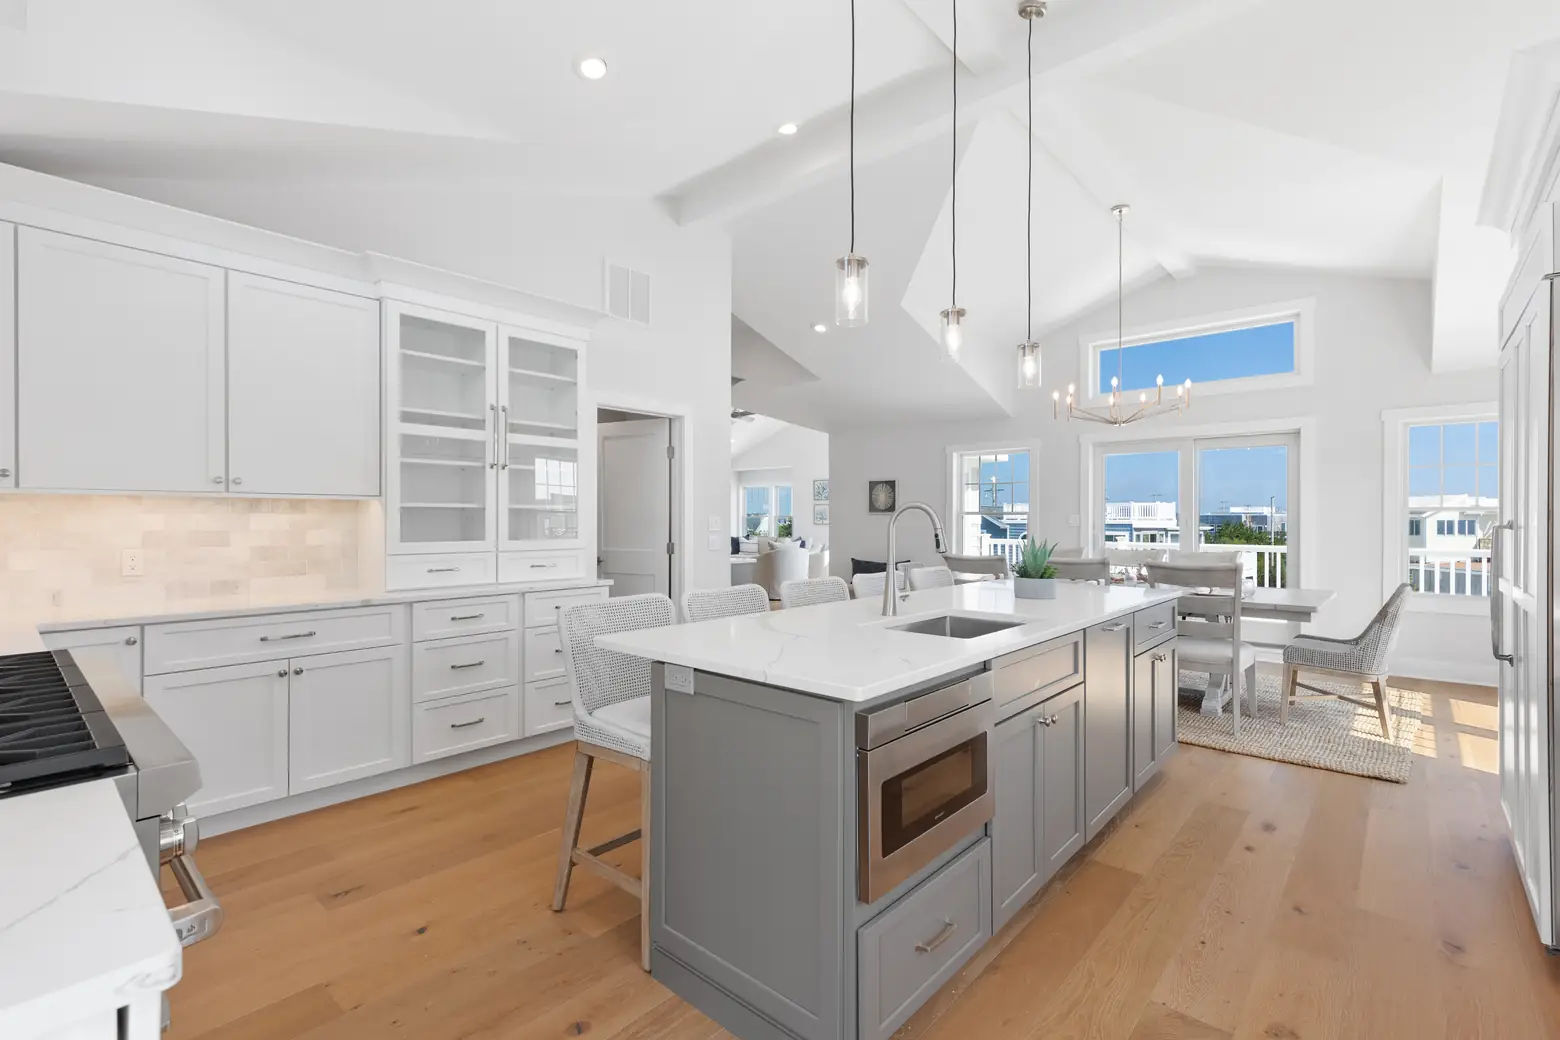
pixel 52 732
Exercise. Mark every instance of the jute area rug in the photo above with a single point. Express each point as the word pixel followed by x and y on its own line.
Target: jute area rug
pixel 1323 732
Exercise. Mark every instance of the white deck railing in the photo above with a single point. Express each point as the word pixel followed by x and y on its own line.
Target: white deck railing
pixel 1449 573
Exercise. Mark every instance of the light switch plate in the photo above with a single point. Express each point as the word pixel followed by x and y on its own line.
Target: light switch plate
pixel 715 523
pixel 132 563
pixel 1073 520
pixel 714 543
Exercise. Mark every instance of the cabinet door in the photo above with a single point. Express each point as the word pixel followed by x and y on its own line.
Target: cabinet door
pixel 303 389
pixel 1016 865
pixel 444 445
pixel 1166 678
pixel 539 460
pixel 7 355
pixel 119 368
pixel 234 721
pixel 1063 822
pixel 1143 756
pixel 1107 721
pixel 350 717
pixel 123 645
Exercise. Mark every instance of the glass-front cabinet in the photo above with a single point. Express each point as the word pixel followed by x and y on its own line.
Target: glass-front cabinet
pixel 485 435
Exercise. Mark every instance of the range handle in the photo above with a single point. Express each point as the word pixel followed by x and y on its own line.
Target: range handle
pixel 200 916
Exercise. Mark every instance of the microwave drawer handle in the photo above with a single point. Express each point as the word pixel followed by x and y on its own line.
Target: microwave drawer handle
pixel 943 933
pixel 290 635
pixel 201 916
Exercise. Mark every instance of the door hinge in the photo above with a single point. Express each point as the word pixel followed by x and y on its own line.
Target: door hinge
pixel 671 548
pixel 671 452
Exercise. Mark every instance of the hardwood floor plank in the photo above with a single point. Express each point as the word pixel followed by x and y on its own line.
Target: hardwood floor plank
pixel 1162 1023
pixel 289 1016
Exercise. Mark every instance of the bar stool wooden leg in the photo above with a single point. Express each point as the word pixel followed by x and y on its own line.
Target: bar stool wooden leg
pixel 644 867
pixel 579 787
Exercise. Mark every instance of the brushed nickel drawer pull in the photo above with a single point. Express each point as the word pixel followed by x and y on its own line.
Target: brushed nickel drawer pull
pixel 542 566
pixel 469 664
pixel 473 722
pixel 562 704
pixel 1158 624
pixel 1114 628
pixel 947 929
pixel 466 617
pixel 442 570
pixel 558 650
pixel 290 635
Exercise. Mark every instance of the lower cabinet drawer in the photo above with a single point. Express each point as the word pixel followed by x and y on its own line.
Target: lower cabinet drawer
pixel 464 723
pixel 182 646
pixel 549 705
pixel 464 664
pixel 543 654
pixel 542 608
pixel 442 570
pixel 1043 670
pixel 912 948
pixel 540 566
pixel 440 619
pixel 1151 625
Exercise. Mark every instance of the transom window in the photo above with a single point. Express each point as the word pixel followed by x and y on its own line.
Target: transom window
pixel 1452 504
pixel 992 492
pixel 1256 350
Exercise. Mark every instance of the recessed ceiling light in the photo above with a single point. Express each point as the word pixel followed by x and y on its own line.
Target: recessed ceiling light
pixel 786 128
pixel 820 327
pixel 593 68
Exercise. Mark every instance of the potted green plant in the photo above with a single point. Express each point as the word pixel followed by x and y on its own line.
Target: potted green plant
pixel 1033 576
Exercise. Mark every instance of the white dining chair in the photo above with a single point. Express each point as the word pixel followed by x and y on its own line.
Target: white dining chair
pixel 708 604
pixel 1079 568
pixel 931 578
pixel 812 591
pixel 866 585
pixel 611 722
pixel 1362 659
pixel 1208 627
pixel 992 566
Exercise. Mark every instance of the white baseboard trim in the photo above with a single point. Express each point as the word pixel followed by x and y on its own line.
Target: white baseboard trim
pixel 253 815
pixel 1446 669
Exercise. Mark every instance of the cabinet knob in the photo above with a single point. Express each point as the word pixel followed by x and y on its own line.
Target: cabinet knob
pixel 238 480
pixel 5 472
pixel 131 640
pixel 282 674
pixel 298 671
pixel 216 480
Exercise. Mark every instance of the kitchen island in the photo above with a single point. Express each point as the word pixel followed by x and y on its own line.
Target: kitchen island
pixel 847 806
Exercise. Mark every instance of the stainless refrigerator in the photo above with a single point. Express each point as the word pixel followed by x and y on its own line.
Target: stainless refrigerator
pixel 1525 561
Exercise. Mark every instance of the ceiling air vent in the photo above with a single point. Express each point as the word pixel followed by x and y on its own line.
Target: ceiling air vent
pixel 628 294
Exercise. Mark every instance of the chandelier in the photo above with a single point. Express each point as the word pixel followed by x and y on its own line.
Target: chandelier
pixel 1120 412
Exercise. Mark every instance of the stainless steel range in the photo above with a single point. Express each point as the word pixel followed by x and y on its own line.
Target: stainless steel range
pixel 70 716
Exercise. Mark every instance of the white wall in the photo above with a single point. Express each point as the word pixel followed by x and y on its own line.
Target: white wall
pixel 796 456
pixel 1371 343
pixel 553 246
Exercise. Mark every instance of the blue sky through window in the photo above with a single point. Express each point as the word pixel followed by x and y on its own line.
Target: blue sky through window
pixel 1259 351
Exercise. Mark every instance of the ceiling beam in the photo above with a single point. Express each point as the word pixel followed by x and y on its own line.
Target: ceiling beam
pixel 1072 42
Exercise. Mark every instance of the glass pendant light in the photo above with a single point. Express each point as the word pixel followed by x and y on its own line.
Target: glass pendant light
pixel 953 317
pixel 1029 376
pixel 850 270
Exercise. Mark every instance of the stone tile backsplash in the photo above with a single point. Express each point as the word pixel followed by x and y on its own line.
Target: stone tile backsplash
pixel 62 554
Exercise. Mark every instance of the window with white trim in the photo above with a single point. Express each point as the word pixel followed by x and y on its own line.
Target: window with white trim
pixel 766 510
pixel 1249 350
pixel 991 492
pixel 1452 500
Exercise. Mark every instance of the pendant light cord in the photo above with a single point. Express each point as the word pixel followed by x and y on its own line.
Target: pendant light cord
pixel 853 126
pixel 953 164
pixel 1029 199
pixel 1121 291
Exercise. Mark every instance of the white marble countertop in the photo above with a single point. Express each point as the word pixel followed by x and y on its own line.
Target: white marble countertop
pixel 83 926
pixel 847 651
pixel 60 620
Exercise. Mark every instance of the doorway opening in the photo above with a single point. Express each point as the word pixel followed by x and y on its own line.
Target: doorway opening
pixel 637 507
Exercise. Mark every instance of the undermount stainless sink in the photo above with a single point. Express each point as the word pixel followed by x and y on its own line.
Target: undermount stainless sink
pixel 955 626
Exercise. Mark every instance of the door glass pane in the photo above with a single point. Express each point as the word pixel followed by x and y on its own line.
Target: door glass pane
pixel 444 379
pixel 543 389
pixel 1142 492
pixel 543 493
pixel 1244 507
pixel 445 483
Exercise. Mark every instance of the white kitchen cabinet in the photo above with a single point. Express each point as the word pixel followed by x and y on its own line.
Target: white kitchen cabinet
pixel 350 717
pixel 123 644
pixel 234 721
pixel 303 389
pixel 120 368
pixel 539 463
pixel 7 355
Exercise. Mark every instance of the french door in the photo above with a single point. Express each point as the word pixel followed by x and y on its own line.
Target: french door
pixel 1207 494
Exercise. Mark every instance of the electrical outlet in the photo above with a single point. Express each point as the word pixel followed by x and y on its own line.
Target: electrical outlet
pixel 714 543
pixel 132 563
pixel 716 523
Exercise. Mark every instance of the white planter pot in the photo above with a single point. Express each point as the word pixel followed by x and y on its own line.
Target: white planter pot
pixel 1034 588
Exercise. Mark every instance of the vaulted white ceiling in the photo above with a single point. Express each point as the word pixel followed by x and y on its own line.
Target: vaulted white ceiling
pixel 1346 135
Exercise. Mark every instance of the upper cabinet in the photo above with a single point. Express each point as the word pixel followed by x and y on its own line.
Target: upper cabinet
pixel 303 389
pixel 485 441
pixel 7 355
pixel 119 368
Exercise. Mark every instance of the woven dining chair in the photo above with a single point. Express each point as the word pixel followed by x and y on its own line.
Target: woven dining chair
pixel 611 722
pixel 1362 659
pixel 709 604
pixel 931 578
pixel 812 591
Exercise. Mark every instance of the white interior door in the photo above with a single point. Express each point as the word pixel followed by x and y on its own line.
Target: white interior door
pixel 634 508
pixel 303 389
pixel 119 368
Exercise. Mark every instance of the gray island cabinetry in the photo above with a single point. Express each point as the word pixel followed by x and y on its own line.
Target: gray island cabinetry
pixel 847 807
